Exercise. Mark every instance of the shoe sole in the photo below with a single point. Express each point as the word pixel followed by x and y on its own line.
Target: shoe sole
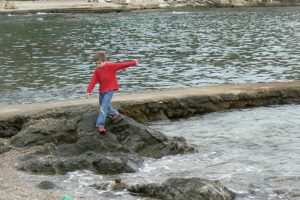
pixel 115 118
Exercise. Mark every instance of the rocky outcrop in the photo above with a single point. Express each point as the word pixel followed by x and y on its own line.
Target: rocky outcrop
pixel 72 142
pixel 42 131
pixel 184 188
pixel 57 162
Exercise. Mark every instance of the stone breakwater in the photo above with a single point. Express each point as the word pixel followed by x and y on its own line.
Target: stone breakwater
pixel 174 103
pixel 182 103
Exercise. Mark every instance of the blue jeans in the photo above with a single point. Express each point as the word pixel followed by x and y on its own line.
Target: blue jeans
pixel 105 107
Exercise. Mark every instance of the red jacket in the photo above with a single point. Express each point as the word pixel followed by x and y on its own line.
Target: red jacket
pixel 106 76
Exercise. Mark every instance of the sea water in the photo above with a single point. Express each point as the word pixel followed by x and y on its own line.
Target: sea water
pixel 48 57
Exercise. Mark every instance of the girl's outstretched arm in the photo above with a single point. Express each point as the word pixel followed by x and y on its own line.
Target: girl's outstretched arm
pixel 123 65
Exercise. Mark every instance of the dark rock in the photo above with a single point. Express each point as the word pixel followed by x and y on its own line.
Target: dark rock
pixel 42 131
pixel 290 93
pixel 101 163
pixel 145 141
pixel 116 164
pixel 72 142
pixel 216 99
pixel 46 185
pixel 229 97
pixel 184 189
pixel 11 126
pixel 243 96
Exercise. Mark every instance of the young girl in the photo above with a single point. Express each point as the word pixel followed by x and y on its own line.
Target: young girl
pixel 105 75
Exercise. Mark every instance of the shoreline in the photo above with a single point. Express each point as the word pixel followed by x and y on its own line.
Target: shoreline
pixel 107 6
pixel 61 6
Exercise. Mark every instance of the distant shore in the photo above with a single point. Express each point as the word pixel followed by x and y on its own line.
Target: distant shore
pixel 105 6
pixel 74 6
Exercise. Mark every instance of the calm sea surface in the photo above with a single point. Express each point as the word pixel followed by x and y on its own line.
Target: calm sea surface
pixel 44 58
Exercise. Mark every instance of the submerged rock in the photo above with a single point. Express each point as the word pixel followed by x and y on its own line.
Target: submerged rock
pixel 293 192
pixel 184 189
pixel 46 185
pixel 100 186
pixel 119 185
pixel 72 142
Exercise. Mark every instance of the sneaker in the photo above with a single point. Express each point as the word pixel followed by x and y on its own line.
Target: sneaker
pixel 116 116
pixel 101 129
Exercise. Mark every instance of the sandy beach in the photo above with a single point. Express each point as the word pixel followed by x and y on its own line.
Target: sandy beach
pixel 12 187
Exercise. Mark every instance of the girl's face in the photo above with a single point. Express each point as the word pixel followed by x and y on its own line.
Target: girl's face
pixel 99 63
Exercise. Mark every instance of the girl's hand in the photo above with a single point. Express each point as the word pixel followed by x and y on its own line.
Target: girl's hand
pixel 137 63
pixel 87 94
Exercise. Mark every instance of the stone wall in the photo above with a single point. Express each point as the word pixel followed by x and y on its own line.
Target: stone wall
pixel 173 103
pixel 191 101
pixel 137 2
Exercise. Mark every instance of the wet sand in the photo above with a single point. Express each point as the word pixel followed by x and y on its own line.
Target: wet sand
pixel 11 185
